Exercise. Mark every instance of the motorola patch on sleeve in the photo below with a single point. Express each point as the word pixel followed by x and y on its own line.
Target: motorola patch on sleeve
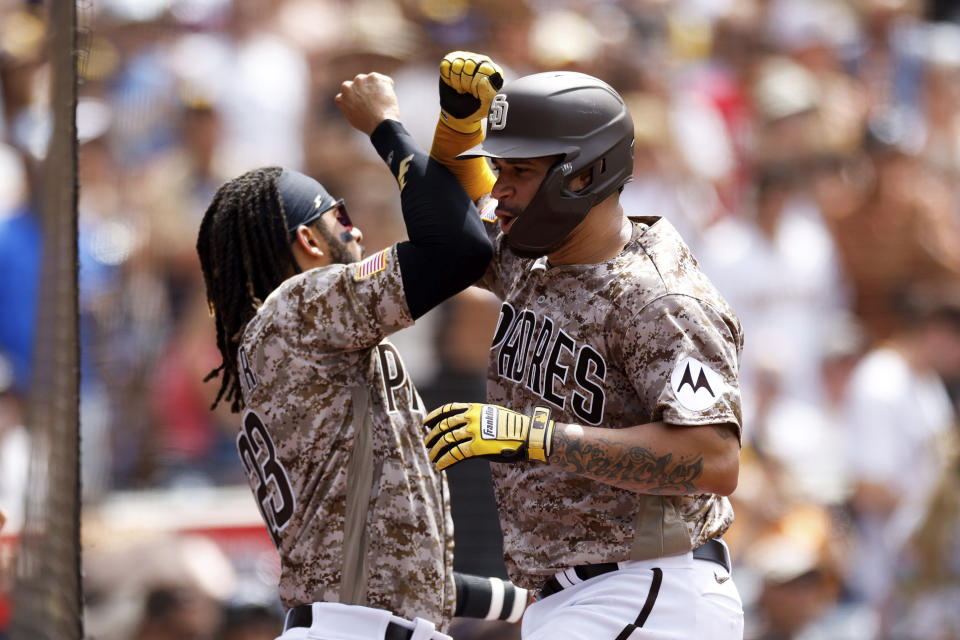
pixel 696 385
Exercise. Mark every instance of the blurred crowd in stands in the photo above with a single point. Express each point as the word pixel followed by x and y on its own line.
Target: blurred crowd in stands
pixel 809 151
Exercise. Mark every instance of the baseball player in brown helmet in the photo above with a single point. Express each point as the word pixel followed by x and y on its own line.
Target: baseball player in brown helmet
pixel 613 397
pixel 331 433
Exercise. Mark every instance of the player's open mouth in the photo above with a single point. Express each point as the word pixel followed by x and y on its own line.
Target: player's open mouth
pixel 506 220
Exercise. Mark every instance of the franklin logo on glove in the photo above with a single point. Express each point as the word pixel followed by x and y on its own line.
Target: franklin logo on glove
pixel 489 429
pixel 457 431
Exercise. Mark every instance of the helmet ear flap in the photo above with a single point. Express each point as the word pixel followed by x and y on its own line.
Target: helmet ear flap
pixel 553 212
pixel 556 209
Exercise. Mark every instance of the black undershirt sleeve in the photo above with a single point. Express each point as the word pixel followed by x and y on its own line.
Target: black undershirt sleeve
pixel 448 249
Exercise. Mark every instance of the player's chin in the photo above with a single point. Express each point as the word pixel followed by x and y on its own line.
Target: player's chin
pixel 350 254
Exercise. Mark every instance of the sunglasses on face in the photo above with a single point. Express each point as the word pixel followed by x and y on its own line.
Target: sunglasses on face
pixel 340 211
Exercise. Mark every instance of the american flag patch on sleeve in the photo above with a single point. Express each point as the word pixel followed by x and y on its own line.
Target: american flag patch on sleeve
pixel 369 266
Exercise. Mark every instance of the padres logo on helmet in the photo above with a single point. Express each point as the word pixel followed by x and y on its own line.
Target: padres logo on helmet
pixel 498 111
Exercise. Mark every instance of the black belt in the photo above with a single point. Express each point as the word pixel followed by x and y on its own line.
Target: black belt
pixel 712 550
pixel 302 616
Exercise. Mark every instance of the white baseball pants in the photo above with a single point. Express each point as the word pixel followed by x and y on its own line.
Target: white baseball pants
pixel 673 597
pixel 335 621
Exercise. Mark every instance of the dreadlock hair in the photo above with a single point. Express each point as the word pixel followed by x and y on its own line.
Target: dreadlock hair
pixel 245 253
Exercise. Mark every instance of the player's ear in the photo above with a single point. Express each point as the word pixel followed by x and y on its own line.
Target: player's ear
pixel 582 181
pixel 309 248
pixel 309 241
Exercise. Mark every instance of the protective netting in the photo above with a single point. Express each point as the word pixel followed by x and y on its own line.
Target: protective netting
pixel 47 594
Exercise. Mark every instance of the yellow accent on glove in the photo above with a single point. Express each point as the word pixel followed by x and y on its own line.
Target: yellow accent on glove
pixel 473 174
pixel 468 83
pixel 469 430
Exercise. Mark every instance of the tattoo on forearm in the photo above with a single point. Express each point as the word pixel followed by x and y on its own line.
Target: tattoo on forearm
pixel 613 462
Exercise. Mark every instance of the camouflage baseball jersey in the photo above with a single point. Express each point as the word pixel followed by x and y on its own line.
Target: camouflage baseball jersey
pixel 331 441
pixel 642 337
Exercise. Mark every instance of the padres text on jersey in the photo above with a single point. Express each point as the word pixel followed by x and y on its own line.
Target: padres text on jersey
pixel 642 337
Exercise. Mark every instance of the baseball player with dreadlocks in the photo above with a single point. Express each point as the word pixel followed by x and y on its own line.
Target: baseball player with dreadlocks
pixel 332 426
pixel 613 396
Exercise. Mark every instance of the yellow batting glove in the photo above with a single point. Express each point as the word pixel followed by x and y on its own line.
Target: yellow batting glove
pixel 468 83
pixel 472 430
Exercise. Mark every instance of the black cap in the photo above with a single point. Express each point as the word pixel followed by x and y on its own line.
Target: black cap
pixel 304 199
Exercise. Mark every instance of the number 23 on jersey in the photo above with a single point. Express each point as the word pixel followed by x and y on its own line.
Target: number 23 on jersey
pixel 268 478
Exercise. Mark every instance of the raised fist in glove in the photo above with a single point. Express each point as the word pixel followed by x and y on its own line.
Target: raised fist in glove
pixel 473 430
pixel 468 83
